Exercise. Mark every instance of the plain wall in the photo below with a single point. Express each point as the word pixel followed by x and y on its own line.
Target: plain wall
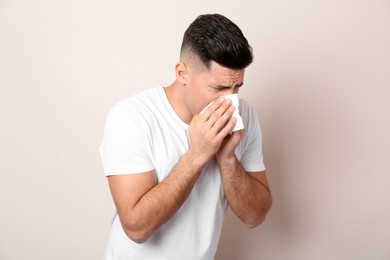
pixel 320 83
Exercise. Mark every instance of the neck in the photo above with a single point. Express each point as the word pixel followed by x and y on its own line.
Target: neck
pixel 175 95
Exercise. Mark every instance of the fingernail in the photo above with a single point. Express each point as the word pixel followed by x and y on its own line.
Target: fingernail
pixel 221 99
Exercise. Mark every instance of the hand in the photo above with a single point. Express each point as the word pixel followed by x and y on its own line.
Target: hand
pixel 229 144
pixel 208 130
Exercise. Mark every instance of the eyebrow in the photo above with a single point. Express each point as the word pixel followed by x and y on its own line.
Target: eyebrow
pixel 226 86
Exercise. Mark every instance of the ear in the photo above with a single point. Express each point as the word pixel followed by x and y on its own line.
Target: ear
pixel 182 72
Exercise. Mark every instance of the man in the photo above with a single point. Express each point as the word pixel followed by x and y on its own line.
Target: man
pixel 173 170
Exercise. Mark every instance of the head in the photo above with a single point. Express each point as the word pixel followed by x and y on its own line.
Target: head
pixel 213 58
pixel 213 37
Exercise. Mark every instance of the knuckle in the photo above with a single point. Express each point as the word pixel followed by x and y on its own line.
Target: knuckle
pixel 214 116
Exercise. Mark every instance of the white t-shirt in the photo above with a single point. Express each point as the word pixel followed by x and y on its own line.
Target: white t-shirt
pixel 143 133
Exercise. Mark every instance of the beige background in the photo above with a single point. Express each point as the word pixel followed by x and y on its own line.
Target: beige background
pixel 320 83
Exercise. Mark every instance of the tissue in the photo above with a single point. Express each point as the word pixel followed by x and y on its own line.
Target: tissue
pixel 234 98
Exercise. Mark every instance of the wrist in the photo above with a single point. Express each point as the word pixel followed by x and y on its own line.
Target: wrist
pixel 227 161
pixel 195 160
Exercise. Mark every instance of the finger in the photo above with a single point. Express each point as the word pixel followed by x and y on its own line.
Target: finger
pixel 224 131
pixel 210 109
pixel 222 113
pixel 238 134
pixel 223 119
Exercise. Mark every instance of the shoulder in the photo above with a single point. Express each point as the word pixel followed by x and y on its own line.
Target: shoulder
pixel 134 107
pixel 247 111
pixel 246 108
pixel 137 101
pixel 249 117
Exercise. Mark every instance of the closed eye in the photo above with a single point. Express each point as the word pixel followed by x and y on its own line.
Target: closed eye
pixel 224 87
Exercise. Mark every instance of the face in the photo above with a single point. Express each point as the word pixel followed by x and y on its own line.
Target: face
pixel 204 86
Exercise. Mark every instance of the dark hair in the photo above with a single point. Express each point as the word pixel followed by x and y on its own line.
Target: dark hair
pixel 215 37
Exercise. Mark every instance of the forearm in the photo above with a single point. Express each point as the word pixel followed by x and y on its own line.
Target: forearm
pixel 249 199
pixel 162 201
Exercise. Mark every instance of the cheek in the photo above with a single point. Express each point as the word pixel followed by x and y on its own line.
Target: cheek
pixel 193 99
pixel 207 99
pixel 200 95
pixel 199 102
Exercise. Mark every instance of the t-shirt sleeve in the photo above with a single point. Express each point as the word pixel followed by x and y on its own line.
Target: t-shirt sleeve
pixel 252 151
pixel 124 149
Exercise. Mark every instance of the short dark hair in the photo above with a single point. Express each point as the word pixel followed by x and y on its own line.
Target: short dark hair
pixel 213 37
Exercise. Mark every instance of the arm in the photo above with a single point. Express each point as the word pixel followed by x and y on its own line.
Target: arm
pixel 247 192
pixel 143 204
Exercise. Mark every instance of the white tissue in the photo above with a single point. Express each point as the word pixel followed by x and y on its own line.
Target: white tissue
pixel 234 98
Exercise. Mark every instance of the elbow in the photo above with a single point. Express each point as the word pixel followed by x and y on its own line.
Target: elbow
pixel 136 237
pixel 254 222
pixel 260 217
pixel 135 233
pixel 252 225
